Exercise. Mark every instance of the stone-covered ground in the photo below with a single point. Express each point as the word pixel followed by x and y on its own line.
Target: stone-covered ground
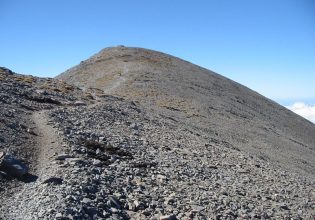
pixel 95 156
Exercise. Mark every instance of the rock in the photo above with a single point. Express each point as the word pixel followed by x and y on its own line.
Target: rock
pixel 63 156
pixel 197 208
pixel 168 217
pixel 59 216
pixel 147 212
pixel 79 103
pixel 115 202
pixel 98 151
pixel 131 206
pixel 213 167
pixel 169 201
pixel 114 210
pixel 3 175
pixel 91 211
pixel 134 126
pixel 31 131
pixel 161 178
pixel 97 162
pixel 12 166
pixel 243 171
pixel 138 205
pixel 41 91
pixel 86 200
pixel 53 180
pixel 153 204
pixel 1 155
pixel 74 161
pixel 284 206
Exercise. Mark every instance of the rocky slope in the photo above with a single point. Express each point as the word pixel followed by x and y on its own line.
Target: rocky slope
pixel 203 101
pixel 142 148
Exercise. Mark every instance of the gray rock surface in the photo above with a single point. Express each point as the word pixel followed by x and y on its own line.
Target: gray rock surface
pixel 12 166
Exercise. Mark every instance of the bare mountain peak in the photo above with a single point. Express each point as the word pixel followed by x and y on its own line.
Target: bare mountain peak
pixel 194 96
pixel 147 134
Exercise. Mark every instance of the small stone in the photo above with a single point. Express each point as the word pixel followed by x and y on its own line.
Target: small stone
pixel 160 177
pixel 114 210
pixel 58 215
pixel 31 131
pixel 213 167
pixel 147 212
pixel 168 217
pixel 243 171
pixel 91 210
pixel 131 206
pixel 41 91
pixel 169 201
pixel 197 208
pixel 101 138
pixel 63 156
pixel 74 161
pixel 86 200
pixel 79 103
pixel 97 162
pixel 284 206
pixel 50 210
pixel 98 151
pixel 105 213
pixel 134 126
pixel 1 155
pixel 115 202
pixel 153 204
pixel 138 205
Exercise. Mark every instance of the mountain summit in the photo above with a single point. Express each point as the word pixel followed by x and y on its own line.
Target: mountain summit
pixel 137 134
pixel 204 102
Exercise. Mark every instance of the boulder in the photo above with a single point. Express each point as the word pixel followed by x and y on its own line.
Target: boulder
pixel 12 166
pixel 3 175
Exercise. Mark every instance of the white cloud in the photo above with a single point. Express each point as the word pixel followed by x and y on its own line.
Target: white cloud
pixel 306 111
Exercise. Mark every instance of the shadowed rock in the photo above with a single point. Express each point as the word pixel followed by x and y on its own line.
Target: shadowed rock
pixel 12 166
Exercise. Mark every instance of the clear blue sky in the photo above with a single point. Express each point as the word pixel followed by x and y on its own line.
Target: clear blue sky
pixel 267 45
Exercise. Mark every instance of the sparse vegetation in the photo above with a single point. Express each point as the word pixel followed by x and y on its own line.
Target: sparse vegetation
pixel 25 79
pixel 60 88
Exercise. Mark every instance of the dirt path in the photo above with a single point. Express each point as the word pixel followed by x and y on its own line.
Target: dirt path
pixel 49 143
pixel 117 82
pixel 22 198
